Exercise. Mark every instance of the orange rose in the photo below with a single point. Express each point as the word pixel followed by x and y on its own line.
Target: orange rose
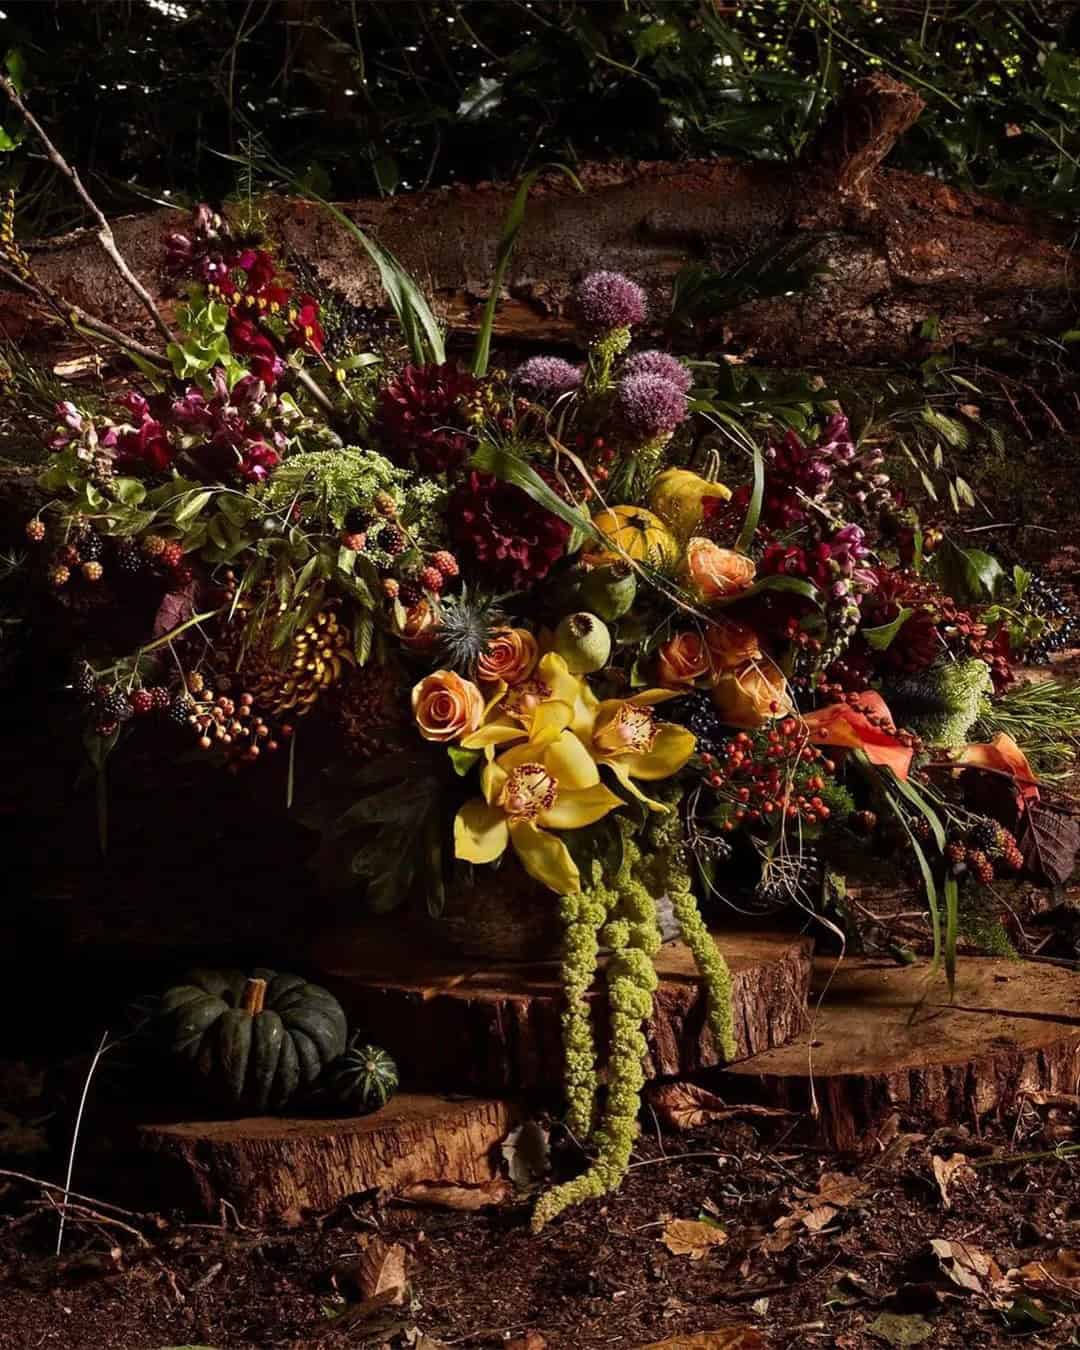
pixel 510 656
pixel 714 572
pixel 681 660
pixel 446 707
pixel 751 695
pixel 730 644
pixel 419 626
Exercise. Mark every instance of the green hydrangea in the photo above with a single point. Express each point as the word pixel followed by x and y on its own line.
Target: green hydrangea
pixel 942 702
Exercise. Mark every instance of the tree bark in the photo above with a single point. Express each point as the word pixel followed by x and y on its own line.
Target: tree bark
pixel 899 248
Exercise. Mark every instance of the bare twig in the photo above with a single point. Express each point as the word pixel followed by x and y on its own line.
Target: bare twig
pixel 92 1216
pixel 72 1195
pixel 104 229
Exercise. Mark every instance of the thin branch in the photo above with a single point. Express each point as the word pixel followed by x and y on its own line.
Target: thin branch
pixel 104 229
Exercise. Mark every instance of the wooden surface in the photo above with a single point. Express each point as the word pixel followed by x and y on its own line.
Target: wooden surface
pixel 467 1025
pixel 1014 1027
pixel 278 1169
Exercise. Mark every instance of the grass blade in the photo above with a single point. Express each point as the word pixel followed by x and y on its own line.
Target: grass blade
pixel 753 509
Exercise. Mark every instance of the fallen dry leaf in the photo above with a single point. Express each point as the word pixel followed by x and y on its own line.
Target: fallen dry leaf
pixel 725 1338
pixel 950 1169
pixel 1060 1273
pixel 377 1269
pixel 901 1328
pixel 692 1237
pixel 532 1340
pixel 527 1152
pixel 966 1266
pixel 441 1196
pixel 685 1106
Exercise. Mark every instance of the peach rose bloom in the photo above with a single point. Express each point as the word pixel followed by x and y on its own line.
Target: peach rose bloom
pixel 681 660
pixel 715 572
pixel 446 707
pixel 418 630
pixel 730 644
pixel 751 695
pixel 510 656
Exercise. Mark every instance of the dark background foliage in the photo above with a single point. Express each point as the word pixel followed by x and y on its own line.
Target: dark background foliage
pixel 365 97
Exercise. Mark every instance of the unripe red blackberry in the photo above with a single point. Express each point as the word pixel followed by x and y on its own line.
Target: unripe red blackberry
pixel 182 575
pixel 432 580
pixel 955 853
pixel 391 588
pixel 153 545
pixel 68 556
pixel 142 702
pixel 93 571
pixel 171 555
pixel 160 697
pixel 35 530
pixel 384 503
pixel 447 564
pixel 864 822
pixel 981 866
pixel 59 576
pixel 354 539
pixel 1012 860
pixel 104 727
pixel 920 828
pixel 392 539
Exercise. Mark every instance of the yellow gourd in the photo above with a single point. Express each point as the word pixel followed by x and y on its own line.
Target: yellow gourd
pixel 633 533
pixel 678 498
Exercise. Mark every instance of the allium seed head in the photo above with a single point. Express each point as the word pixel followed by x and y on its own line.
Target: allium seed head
pixel 547 377
pixel 608 300
pixel 660 363
pixel 649 405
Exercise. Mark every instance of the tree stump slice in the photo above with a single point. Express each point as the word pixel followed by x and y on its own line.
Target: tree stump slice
pixel 1013 1028
pixel 276 1169
pixel 455 1022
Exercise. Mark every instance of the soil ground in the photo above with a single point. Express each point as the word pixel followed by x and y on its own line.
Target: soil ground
pixel 809 1260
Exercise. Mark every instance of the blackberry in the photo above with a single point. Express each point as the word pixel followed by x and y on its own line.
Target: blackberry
pixel 35 530
pixel 93 571
pixel 90 544
pixel 920 828
pixel 981 866
pixel 114 707
pixel 984 835
pixel 181 709
pixel 410 593
pixel 432 580
pixel 356 521
pixel 161 698
pixel 955 853
pixel 68 556
pixel 129 561
pixel 392 539
pixel 142 702
pixel 863 822
pixel 84 681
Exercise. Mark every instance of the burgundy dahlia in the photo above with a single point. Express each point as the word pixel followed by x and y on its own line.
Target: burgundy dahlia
pixel 421 416
pixel 547 378
pixel 664 365
pixel 649 405
pixel 509 539
pixel 605 301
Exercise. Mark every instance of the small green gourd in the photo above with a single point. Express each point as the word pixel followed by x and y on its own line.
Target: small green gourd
pixel 364 1078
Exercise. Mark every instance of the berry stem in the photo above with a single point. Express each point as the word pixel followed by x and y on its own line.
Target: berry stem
pixel 253 997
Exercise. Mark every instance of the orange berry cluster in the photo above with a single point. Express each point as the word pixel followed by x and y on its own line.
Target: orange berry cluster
pixel 233 725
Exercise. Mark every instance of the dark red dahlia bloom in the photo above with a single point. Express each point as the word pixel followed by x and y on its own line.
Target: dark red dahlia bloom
pixel 421 417
pixel 509 540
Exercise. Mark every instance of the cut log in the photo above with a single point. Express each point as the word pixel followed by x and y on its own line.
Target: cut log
pixel 278 1169
pixel 458 1023
pixel 895 248
pixel 1014 1027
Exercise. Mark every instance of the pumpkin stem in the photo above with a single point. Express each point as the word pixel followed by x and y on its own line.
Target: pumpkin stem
pixel 253 997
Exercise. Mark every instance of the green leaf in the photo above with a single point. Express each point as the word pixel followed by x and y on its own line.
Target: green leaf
pixel 1021 581
pixel 952 926
pixel 512 225
pixel 463 760
pixel 363 636
pixel 881 638
pixel 793 585
pixel 511 468
pixel 970 575
pixel 15 65
pixel 190 508
pixel 130 491
pixel 753 507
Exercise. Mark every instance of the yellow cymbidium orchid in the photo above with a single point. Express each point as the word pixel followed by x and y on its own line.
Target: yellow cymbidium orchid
pixel 550 783
pixel 633 743
pixel 526 711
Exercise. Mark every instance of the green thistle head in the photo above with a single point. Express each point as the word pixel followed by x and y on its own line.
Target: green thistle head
pixel 468 623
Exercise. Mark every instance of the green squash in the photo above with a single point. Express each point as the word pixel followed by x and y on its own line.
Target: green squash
pixel 363 1079
pixel 252 1042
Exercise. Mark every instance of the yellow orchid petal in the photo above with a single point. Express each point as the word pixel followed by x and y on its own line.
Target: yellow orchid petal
pixel 570 764
pixel 495 733
pixel 550 719
pixel 480 832
pixel 528 752
pixel 573 810
pixel 545 857
pixel 648 698
pixel 670 751
pixel 492 781
pixel 621 770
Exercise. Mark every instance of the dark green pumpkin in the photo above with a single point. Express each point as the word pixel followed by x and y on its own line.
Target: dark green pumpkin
pixel 364 1078
pixel 252 1041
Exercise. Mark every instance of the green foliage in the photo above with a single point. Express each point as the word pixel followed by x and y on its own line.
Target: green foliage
pixel 701 292
pixel 323 486
pixel 942 703
pixel 1043 718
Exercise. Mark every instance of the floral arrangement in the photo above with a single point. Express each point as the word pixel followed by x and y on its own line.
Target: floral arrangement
pixel 518 620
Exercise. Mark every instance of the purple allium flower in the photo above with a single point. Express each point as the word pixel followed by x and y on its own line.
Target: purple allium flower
pixel 608 300
pixel 650 405
pixel 547 377
pixel 660 363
